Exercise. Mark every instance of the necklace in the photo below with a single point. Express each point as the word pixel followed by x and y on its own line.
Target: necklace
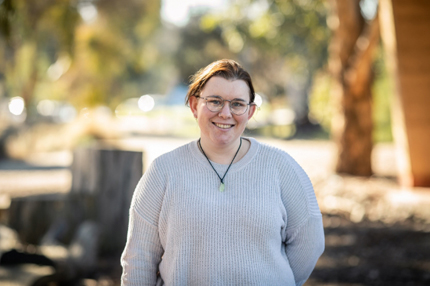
pixel 222 186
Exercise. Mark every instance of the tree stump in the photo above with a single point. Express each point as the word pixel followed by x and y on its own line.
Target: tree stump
pixel 105 181
pixel 32 216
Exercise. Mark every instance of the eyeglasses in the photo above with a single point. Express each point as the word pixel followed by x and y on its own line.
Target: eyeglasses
pixel 216 103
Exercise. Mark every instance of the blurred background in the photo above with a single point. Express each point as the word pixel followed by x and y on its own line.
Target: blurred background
pixel 91 91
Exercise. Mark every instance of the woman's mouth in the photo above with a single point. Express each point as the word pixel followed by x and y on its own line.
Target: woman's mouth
pixel 223 126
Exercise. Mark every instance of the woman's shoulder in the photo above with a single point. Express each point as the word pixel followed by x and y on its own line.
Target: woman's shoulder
pixel 273 153
pixel 282 161
pixel 175 156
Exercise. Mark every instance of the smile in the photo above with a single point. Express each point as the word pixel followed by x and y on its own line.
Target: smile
pixel 223 126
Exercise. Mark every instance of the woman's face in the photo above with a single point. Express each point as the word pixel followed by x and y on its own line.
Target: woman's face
pixel 221 128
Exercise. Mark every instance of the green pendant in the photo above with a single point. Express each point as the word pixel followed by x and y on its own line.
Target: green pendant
pixel 222 187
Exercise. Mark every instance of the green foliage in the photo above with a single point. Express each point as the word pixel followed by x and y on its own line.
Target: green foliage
pixel 53 53
pixel 126 52
pixel 33 34
pixel 6 13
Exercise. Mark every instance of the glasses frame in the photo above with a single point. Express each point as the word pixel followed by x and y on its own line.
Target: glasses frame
pixel 223 103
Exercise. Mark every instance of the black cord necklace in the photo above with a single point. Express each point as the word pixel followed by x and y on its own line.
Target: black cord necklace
pixel 222 186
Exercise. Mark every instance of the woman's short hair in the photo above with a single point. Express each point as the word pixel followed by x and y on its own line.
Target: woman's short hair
pixel 227 69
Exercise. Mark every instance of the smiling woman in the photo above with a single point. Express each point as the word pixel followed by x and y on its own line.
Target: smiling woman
pixel 221 128
pixel 223 209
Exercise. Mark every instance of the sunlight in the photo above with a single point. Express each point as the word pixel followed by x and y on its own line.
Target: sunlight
pixel 88 12
pixel 146 103
pixel 16 105
pixel 178 12
pixel 369 8
pixel 258 100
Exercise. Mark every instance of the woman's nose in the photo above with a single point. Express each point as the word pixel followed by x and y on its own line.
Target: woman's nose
pixel 225 111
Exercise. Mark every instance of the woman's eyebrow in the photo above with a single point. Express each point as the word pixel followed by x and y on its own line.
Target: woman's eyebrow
pixel 218 96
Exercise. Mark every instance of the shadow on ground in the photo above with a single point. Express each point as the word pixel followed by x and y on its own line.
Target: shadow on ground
pixel 20 165
pixel 373 253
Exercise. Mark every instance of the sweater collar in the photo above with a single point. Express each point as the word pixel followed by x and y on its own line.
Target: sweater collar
pixel 198 155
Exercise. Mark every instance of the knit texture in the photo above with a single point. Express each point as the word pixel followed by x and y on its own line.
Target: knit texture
pixel 264 229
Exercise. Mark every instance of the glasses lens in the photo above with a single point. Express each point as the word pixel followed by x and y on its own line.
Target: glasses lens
pixel 214 103
pixel 238 107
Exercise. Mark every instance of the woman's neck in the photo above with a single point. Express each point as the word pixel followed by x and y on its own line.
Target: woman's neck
pixel 224 155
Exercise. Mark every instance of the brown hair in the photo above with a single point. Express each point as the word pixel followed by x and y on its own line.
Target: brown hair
pixel 227 69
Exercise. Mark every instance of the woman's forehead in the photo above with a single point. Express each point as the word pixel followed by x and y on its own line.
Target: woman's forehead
pixel 226 88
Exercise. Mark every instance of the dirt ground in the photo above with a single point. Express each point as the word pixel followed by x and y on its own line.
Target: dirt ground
pixel 372 253
pixel 376 232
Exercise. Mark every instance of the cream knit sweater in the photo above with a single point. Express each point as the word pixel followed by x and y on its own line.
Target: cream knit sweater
pixel 264 229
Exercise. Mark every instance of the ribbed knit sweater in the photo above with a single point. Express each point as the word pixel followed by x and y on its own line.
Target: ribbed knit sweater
pixel 264 229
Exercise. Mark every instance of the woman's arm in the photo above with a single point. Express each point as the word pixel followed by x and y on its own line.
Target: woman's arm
pixel 304 234
pixel 143 251
pixel 303 247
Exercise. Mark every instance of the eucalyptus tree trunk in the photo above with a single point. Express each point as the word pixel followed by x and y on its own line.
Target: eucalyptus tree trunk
pixel 351 59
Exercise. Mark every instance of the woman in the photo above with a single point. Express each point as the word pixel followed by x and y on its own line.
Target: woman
pixel 224 209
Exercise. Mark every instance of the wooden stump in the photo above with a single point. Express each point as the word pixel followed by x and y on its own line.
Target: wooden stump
pixel 32 216
pixel 105 180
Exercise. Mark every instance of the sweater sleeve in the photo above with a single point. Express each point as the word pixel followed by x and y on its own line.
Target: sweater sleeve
pixel 143 250
pixel 304 234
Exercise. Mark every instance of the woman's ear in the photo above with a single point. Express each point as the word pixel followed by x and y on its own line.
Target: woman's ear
pixel 251 110
pixel 193 105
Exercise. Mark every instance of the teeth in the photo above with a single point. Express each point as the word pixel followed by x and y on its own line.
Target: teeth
pixel 224 126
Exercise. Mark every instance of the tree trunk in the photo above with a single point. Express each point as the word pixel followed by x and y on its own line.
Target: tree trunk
pixel 351 59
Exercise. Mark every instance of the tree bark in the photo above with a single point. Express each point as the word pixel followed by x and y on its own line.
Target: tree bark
pixel 351 59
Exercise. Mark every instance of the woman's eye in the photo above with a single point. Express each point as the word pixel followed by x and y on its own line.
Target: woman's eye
pixel 237 104
pixel 215 102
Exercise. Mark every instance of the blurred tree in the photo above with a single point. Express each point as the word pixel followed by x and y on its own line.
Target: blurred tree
pixel 351 59
pixel 197 48
pixel 86 52
pixel 101 52
pixel 114 53
pixel 6 12
pixel 31 33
